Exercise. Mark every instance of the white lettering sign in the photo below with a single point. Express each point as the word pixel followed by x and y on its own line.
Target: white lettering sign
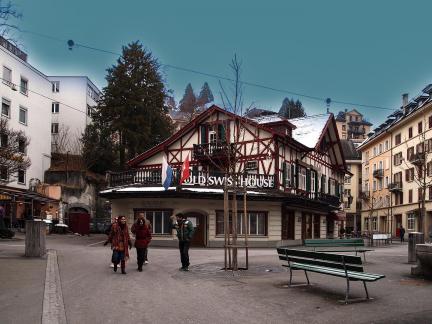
pixel 249 181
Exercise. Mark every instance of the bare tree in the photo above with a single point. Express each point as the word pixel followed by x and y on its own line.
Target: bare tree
pixel 8 15
pixel 66 141
pixel 13 149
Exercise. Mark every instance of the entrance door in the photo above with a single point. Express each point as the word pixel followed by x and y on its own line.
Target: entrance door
pixel 306 226
pixel 79 223
pixel 200 229
pixel 288 225
pixel 316 226
pixel 398 223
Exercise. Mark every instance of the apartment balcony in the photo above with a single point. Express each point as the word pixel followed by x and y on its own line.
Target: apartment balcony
pixel 379 173
pixel 395 187
pixel 329 199
pixel 213 151
pixel 365 195
pixel 417 159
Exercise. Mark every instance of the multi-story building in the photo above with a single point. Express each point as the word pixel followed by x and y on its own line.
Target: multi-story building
pixel 74 98
pixel 403 142
pixel 352 185
pixel 292 171
pixel 351 125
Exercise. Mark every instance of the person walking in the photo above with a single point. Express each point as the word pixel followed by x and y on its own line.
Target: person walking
pixel 120 243
pixel 149 225
pixel 142 239
pixel 402 233
pixel 185 231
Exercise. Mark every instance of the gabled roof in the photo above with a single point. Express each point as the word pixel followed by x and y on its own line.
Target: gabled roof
pixel 309 129
pixel 191 125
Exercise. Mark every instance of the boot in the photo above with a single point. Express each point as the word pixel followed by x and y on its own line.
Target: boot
pixel 123 267
pixel 115 267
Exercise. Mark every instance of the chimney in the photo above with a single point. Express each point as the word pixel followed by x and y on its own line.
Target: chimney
pixel 404 101
pixel 346 110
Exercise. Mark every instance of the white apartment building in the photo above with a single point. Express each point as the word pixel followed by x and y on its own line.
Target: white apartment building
pixel 23 91
pixel 74 98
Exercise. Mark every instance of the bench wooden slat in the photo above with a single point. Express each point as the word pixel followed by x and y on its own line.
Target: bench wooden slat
pixel 326 264
pixel 320 255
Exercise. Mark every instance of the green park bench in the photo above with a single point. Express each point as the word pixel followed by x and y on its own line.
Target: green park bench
pixel 346 245
pixel 345 266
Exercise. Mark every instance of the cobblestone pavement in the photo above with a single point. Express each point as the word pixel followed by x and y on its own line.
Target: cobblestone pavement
pixel 93 293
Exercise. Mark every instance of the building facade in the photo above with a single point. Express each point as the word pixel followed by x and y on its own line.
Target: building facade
pixel 401 146
pixel 352 126
pixel 74 98
pixel 292 172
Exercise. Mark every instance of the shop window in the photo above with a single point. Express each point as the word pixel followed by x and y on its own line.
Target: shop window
pixel 159 219
pixel 257 222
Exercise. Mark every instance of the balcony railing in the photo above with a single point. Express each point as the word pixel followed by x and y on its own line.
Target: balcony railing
pixel 417 159
pixel 379 173
pixel 329 199
pixel 395 187
pixel 365 194
pixel 215 150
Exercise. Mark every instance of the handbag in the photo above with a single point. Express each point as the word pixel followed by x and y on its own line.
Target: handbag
pixel 115 257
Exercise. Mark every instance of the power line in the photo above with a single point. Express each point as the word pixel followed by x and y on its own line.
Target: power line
pixel 219 77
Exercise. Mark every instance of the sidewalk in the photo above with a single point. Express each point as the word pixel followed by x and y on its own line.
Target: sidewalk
pixel 22 284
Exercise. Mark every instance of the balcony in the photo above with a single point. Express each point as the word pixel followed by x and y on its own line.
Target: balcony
pixel 379 173
pixel 417 159
pixel 139 176
pixel 329 199
pixel 365 195
pixel 215 151
pixel 395 187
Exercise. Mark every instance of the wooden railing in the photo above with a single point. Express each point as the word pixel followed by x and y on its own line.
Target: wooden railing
pixel 212 150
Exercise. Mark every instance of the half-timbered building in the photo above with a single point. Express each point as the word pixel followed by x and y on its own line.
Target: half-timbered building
pixel 292 171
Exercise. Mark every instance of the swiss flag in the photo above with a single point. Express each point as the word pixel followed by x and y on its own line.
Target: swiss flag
pixel 185 173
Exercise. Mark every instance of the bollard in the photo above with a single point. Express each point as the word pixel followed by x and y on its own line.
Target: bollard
pixel 35 238
pixel 413 239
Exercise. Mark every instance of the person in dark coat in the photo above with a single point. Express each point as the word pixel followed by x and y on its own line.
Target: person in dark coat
pixel 120 243
pixel 185 231
pixel 401 233
pixel 142 240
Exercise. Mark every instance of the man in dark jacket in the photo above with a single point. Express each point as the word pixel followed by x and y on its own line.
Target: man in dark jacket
pixel 401 233
pixel 185 231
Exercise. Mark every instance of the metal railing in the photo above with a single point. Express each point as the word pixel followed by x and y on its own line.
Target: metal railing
pixel 379 173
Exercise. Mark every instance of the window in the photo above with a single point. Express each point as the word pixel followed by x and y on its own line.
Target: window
pixel 5 107
pixel 381 165
pixel 374 151
pixel 410 196
pixel 430 192
pixel 23 115
pixel 159 219
pixel 257 222
pixel 380 147
pixel 347 179
pixel 386 182
pixel 55 107
pixel 55 86
pixel 374 223
pixel 7 75
pixel 386 145
pixel 374 185
pixel 89 110
pixel 420 127
pixel 420 194
pixel 344 127
pixel 24 86
pixel 420 148
pixel 367 172
pixel 397 139
pixel 409 174
pixel 411 221
pixel 302 179
pixel 3 173
pixel 21 176
pixel 397 158
pixel 22 146
pixel 367 157
pixel 380 184
pixel 430 122
pixel 374 167
pixel 410 152
pixel 410 132
pixel 54 128
pixel 429 169
pixel 3 140
pixel 287 173
pixel 313 181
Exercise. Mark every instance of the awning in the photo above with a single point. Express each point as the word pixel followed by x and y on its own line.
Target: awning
pixel 24 194
pixel 337 215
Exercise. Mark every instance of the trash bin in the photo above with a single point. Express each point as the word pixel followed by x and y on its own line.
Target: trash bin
pixel 414 238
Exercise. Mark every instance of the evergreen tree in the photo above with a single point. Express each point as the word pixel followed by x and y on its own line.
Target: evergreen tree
pixel 292 109
pixel 205 95
pixel 132 111
pixel 188 103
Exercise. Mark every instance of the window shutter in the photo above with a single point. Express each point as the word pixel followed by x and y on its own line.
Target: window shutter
pixel 284 174
pixel 203 130
pixel 329 186
pixel 221 133
pixel 316 182
pixel 323 181
pixel 337 189
pixel 308 180
pixel 297 169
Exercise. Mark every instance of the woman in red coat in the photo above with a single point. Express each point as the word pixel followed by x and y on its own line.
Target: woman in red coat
pixel 142 240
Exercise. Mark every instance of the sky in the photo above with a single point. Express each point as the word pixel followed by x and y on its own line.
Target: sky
pixel 358 52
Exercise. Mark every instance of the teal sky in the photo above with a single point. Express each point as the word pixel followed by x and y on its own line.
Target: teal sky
pixel 367 52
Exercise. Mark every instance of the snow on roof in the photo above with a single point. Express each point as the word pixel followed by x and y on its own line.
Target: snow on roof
pixel 268 119
pixel 157 189
pixel 309 129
